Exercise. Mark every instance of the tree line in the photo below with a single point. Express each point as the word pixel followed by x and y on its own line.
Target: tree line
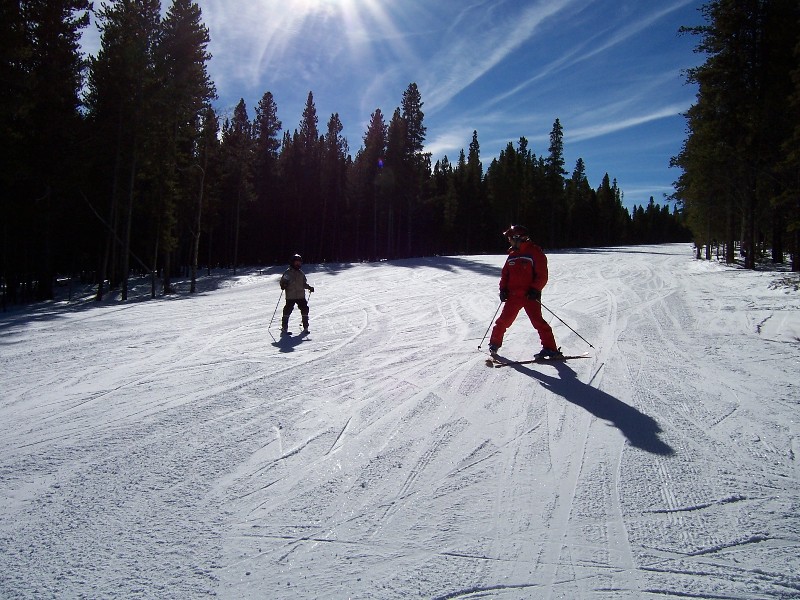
pixel 117 163
pixel 740 181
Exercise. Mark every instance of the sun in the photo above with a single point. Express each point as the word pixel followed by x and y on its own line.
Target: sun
pixel 297 42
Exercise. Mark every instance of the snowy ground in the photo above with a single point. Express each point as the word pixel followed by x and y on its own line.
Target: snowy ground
pixel 173 449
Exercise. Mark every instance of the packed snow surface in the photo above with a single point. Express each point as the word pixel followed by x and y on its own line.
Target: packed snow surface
pixel 179 448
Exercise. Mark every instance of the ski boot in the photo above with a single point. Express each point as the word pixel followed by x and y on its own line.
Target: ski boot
pixel 548 354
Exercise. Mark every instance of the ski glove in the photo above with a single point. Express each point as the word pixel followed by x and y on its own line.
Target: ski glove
pixel 503 295
pixel 311 289
pixel 534 294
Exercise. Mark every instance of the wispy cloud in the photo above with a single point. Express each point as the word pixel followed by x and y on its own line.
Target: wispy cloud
pixel 449 143
pixel 472 54
pixel 639 194
pixel 633 28
pixel 587 48
pixel 611 126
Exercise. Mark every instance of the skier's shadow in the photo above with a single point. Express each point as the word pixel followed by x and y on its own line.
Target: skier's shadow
pixel 640 429
pixel 287 343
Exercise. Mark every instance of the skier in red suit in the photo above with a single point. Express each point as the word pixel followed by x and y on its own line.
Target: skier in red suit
pixel 521 282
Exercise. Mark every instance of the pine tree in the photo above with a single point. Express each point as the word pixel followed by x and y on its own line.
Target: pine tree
pixel 473 211
pixel 14 103
pixel 334 174
pixel 418 163
pixel 207 163
pixel 554 180
pixel 531 187
pixel 580 199
pixel 309 152
pixel 267 139
pixel 290 177
pixel 41 73
pixel 184 93
pixel 122 88
pixel 396 184
pixel 474 194
pixel 237 165
pixel 366 184
pixel 788 201
pixel 445 200
pixel 504 184
pixel 612 220
pixel 740 120
pixel 15 98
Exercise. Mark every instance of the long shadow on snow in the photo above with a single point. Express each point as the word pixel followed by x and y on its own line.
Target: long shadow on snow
pixel 20 315
pixel 139 291
pixel 444 263
pixel 655 250
pixel 640 429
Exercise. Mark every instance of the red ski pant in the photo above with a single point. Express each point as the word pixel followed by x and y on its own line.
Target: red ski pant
pixel 534 311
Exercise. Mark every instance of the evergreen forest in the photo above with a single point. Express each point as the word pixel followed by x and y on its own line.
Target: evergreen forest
pixel 740 184
pixel 118 164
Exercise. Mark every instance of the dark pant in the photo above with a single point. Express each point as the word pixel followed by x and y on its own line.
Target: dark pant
pixel 302 303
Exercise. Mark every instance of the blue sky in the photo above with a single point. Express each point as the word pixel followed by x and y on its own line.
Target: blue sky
pixel 611 71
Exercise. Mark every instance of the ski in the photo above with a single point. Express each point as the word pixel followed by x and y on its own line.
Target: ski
pixel 496 361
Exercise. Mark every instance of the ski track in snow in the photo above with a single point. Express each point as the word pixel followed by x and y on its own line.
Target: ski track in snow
pixel 176 449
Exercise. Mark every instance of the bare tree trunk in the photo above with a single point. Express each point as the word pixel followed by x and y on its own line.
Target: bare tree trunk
pixel 154 269
pixel 128 227
pixel 168 273
pixel 106 255
pixel 112 217
pixel 198 221
pixel 236 229
pixel 730 253
pixel 750 232
pixel 323 238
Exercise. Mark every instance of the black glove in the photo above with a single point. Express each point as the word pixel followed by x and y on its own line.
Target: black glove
pixel 503 295
pixel 282 283
pixel 311 289
pixel 534 294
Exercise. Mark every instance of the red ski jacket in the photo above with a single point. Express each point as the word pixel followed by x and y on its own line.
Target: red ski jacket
pixel 525 268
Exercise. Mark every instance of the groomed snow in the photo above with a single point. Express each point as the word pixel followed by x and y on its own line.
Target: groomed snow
pixel 174 449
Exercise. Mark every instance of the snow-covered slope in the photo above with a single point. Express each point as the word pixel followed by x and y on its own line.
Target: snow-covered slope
pixel 175 449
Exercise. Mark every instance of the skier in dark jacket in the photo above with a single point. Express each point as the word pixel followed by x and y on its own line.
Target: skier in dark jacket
pixel 294 283
pixel 521 282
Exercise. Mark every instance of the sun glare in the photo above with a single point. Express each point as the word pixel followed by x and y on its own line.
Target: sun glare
pixel 359 20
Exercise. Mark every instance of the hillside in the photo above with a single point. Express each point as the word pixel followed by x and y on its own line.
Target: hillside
pixel 175 448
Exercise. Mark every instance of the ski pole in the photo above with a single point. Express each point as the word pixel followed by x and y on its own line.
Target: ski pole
pixel 275 312
pixel 568 327
pixel 490 324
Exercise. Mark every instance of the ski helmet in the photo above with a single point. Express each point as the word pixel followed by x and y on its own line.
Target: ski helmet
pixel 516 231
pixel 296 257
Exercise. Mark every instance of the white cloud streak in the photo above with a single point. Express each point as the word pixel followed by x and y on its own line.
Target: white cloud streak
pixel 611 126
pixel 469 55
